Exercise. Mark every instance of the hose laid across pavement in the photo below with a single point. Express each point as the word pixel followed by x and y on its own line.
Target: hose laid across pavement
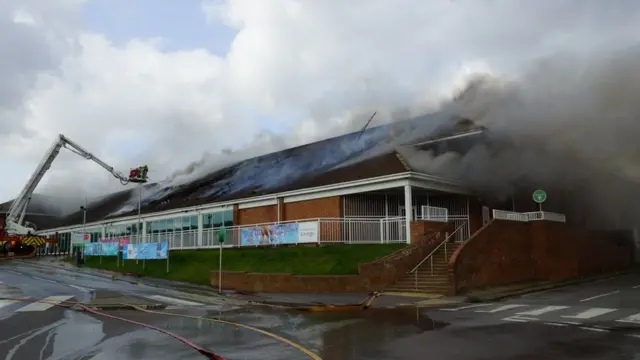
pixel 299 347
pixel 207 353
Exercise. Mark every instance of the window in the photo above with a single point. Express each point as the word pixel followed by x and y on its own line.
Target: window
pixel 189 223
pixel 217 219
pixel 64 241
pixel 132 229
pixel 94 234
pixel 165 226
pixel 122 230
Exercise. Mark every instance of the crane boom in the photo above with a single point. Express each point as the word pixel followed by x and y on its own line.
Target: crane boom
pixel 15 215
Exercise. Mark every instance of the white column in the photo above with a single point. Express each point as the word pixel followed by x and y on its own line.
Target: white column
pixel 200 227
pixel 408 210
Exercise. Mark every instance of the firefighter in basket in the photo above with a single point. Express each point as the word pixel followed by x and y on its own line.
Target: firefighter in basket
pixel 139 174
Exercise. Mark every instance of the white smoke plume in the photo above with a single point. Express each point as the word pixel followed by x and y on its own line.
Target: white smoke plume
pixel 570 123
pixel 269 142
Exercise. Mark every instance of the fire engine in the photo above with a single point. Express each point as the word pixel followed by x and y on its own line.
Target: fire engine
pixel 20 237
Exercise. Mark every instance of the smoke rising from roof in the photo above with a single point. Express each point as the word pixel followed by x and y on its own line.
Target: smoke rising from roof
pixel 266 142
pixel 569 123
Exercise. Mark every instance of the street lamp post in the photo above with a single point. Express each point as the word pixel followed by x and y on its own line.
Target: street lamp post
pixel 139 230
pixel 84 219
pixel 140 222
pixel 79 248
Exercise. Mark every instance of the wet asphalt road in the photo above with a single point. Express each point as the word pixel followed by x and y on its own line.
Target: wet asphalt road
pixel 491 331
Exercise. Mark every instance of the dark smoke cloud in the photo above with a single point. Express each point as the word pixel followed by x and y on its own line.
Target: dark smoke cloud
pixel 570 123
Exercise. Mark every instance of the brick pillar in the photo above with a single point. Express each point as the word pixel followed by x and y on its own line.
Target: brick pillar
pixel 236 214
pixel 420 228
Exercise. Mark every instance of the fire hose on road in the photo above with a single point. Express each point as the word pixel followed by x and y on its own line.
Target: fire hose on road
pixel 205 352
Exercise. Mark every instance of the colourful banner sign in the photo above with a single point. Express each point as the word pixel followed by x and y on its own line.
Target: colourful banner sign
pixel 146 251
pixel 101 249
pixel 276 234
pixel 120 241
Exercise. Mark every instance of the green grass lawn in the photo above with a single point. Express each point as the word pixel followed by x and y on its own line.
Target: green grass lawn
pixel 195 265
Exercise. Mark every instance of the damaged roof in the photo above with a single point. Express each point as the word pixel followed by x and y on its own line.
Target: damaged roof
pixel 385 164
pixel 349 157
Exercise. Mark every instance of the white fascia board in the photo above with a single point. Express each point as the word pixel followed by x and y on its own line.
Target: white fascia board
pixel 258 203
pixel 429 182
pixel 347 191
pixel 153 217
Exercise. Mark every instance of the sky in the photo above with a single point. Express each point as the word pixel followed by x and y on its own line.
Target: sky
pixel 166 83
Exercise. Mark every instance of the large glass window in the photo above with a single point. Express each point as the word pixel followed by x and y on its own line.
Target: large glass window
pixel 134 229
pixel 64 241
pixel 94 233
pixel 164 226
pixel 216 219
pixel 122 230
pixel 189 223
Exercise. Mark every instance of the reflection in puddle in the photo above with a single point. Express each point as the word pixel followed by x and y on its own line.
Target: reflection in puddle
pixel 409 317
pixel 78 332
pixel 367 338
pixel 332 335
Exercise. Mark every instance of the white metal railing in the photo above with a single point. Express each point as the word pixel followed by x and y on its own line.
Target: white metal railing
pixel 546 215
pixel 510 215
pixel 363 230
pixel 329 230
pixel 442 244
pixel 433 213
pixel 528 216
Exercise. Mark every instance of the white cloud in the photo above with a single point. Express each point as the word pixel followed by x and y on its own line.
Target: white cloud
pixel 319 62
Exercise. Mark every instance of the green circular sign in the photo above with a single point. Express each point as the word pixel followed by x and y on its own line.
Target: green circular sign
pixel 222 233
pixel 539 196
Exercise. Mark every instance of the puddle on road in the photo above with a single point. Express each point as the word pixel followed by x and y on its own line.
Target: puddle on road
pixel 332 335
pixel 402 317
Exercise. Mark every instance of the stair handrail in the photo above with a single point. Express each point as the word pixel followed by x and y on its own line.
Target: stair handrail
pixel 446 239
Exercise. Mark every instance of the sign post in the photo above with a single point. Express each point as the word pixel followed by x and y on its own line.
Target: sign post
pixel 539 196
pixel 221 235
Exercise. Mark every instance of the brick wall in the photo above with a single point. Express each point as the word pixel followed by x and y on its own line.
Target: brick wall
pixel 506 252
pixel 422 229
pixel 287 283
pixel 475 215
pixel 258 215
pixel 319 208
pixel 330 207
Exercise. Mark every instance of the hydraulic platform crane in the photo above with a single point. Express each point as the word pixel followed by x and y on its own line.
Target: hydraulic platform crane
pixel 14 226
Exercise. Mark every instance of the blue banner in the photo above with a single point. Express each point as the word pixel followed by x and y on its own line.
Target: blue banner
pixel 100 249
pixel 269 235
pixel 146 251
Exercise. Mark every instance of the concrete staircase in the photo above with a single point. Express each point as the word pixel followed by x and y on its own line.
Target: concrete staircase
pixel 424 280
